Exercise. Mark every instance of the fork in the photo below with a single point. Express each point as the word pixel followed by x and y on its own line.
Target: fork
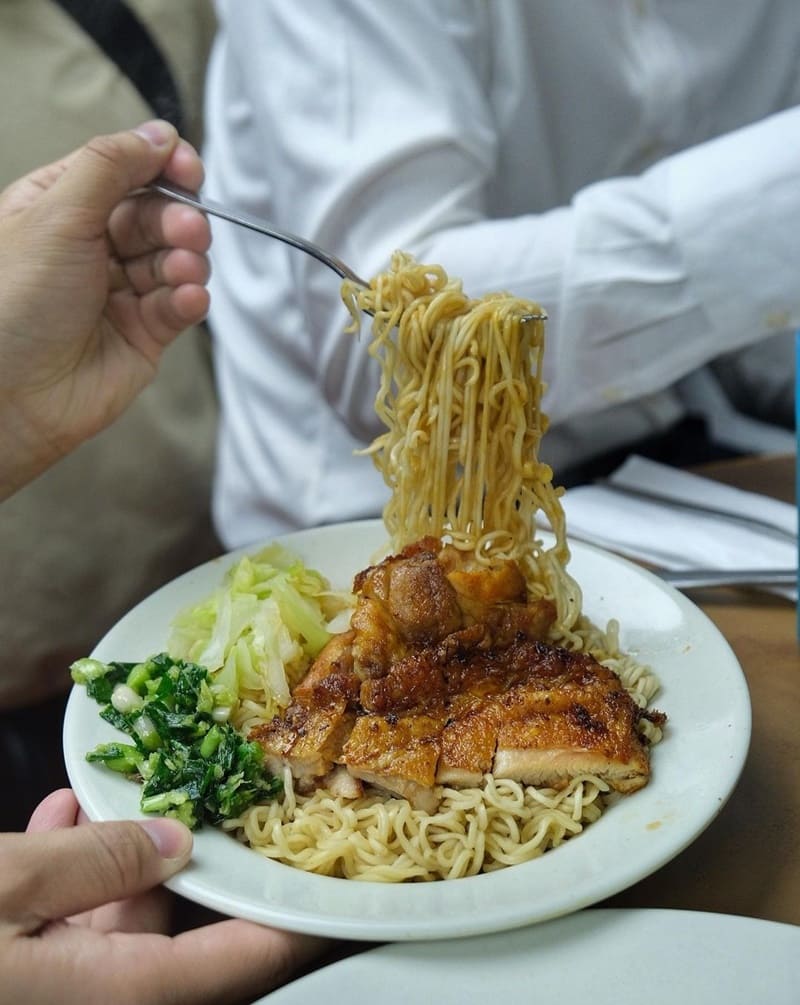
pixel 214 208
pixel 689 578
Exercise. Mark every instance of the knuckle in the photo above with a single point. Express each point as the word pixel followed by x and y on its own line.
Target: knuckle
pixel 105 148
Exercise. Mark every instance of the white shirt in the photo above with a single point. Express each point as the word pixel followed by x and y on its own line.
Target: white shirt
pixel 634 166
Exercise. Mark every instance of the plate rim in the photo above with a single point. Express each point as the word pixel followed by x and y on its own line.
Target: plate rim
pixel 689 927
pixel 193 882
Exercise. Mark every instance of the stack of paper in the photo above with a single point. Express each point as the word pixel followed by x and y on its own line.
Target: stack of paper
pixel 678 520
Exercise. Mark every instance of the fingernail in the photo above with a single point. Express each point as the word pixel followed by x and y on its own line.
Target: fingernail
pixel 156 131
pixel 171 838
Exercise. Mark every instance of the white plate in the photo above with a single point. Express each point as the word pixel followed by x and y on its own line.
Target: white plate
pixel 605 957
pixel 695 769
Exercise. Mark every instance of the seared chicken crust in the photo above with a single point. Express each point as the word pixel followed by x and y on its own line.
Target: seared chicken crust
pixel 445 675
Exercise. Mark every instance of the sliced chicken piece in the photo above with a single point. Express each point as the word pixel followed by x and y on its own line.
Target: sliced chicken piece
pixel 587 724
pixel 310 734
pixel 546 750
pixel 399 755
pixel 307 738
pixel 468 747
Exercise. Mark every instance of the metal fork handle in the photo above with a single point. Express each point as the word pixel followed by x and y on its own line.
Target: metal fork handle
pixel 685 578
pixel 206 205
pixel 214 208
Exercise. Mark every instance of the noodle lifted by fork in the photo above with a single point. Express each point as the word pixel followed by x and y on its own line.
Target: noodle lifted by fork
pixel 460 396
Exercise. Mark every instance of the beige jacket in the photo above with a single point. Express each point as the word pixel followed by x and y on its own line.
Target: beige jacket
pixel 130 509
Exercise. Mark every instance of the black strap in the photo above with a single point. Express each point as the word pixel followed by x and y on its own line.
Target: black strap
pixel 126 40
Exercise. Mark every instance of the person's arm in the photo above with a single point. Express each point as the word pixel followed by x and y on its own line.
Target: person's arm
pixel 79 921
pixel 94 285
pixel 380 132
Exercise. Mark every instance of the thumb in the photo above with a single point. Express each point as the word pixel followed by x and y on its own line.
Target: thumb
pixel 51 875
pixel 97 176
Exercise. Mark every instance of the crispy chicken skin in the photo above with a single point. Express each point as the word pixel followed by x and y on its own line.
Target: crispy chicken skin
pixel 445 675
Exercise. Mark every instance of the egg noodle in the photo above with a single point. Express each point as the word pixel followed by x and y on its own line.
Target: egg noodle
pixel 460 396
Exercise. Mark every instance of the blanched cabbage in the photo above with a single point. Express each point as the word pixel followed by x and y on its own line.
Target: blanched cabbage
pixel 259 631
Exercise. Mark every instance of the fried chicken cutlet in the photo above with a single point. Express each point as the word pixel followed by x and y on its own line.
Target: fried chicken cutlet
pixel 445 675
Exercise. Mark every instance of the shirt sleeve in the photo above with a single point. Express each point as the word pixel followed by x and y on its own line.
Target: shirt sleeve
pixel 670 269
pixel 383 135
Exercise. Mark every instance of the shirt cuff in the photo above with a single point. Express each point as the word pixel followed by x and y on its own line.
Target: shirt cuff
pixel 735 203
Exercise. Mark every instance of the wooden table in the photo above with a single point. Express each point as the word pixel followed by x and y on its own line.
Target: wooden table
pixel 748 860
